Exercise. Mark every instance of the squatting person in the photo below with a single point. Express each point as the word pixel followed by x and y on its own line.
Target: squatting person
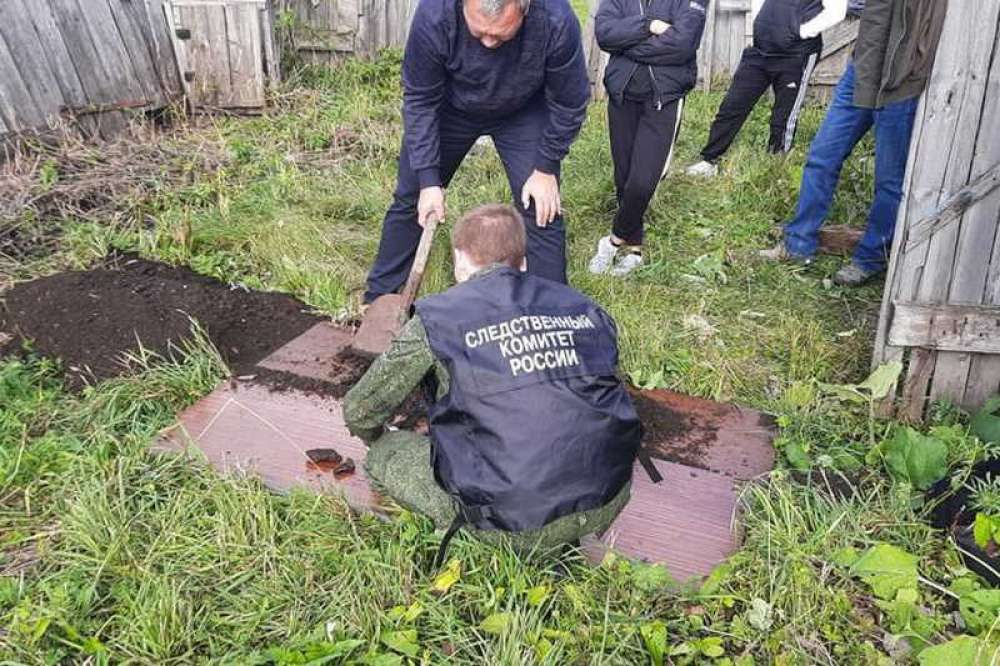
pixel 653 46
pixel 513 70
pixel 786 45
pixel 532 434
pixel 893 58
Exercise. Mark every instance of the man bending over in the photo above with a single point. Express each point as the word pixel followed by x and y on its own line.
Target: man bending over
pixel 509 69
pixel 531 431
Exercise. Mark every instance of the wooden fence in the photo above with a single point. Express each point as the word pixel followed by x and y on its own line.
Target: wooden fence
pixel 87 62
pixel 328 30
pixel 226 52
pixel 941 311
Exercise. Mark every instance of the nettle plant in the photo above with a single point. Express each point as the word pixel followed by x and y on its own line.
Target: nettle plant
pixel 984 499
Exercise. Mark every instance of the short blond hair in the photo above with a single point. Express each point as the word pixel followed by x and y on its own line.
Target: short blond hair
pixel 491 234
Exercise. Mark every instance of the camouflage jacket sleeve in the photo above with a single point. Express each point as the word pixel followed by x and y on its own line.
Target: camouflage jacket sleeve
pixel 373 401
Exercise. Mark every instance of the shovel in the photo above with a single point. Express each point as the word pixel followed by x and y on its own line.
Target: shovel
pixel 386 315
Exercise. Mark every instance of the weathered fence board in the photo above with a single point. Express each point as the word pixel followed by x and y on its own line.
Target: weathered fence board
pixel 221 46
pixel 24 47
pixel 957 328
pixel 946 252
pixel 16 104
pixel 85 61
pixel 327 30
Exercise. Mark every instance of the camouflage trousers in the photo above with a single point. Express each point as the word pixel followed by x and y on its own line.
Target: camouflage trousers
pixel 399 465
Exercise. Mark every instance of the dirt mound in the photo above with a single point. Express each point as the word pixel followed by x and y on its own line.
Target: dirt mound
pixel 88 319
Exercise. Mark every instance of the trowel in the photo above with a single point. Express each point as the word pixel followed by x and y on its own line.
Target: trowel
pixel 386 315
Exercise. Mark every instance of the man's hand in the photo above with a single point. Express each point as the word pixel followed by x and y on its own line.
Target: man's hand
pixel 544 189
pixel 430 205
pixel 658 27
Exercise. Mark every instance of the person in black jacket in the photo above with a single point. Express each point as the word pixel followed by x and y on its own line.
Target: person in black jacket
pixel 532 433
pixel 786 46
pixel 653 46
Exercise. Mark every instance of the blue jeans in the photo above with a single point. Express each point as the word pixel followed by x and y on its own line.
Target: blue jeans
pixel 516 138
pixel 842 129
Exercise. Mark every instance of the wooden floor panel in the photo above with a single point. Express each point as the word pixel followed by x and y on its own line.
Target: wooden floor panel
pixel 685 522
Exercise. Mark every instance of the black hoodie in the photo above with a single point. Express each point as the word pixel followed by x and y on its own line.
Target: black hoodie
pixel 776 30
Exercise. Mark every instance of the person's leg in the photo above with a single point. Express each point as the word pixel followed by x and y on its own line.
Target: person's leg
pixel 399 465
pixel 842 128
pixel 400 231
pixel 893 130
pixel 749 83
pixel 791 81
pixel 566 530
pixel 517 139
pixel 653 145
pixel 623 122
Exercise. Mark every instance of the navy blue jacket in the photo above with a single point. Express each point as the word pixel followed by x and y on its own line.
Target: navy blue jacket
pixel 536 424
pixel 622 28
pixel 445 65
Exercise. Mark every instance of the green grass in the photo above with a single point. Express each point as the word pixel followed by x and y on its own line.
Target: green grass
pixel 112 554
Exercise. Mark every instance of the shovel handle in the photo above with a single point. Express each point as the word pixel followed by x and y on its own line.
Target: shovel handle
pixel 419 265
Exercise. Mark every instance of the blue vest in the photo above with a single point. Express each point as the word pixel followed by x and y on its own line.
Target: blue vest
pixel 536 423
pixel 776 28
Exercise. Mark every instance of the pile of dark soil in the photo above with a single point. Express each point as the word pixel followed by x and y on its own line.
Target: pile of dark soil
pixel 88 319
pixel 666 433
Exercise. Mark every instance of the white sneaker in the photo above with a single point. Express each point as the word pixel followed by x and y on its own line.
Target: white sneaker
pixel 627 264
pixel 605 256
pixel 703 169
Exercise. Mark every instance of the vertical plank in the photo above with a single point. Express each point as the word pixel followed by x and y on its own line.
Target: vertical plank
pixel 720 50
pixel 363 37
pixel 239 24
pixel 55 52
pixel 203 89
pixel 16 104
pixel 96 81
pixel 272 61
pixel 173 16
pixel 738 37
pixel 984 373
pixel 218 63
pixel 979 247
pixel 154 13
pixel 26 49
pixel 133 39
pixel 148 40
pixel 708 46
pixel 253 28
pixel 123 83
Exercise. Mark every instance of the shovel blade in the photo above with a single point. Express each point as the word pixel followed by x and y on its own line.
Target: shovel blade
pixel 382 322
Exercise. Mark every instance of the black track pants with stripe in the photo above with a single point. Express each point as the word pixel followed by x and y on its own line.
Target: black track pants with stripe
pixel 788 76
pixel 642 144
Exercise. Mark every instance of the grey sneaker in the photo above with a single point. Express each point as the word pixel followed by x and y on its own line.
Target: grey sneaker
pixel 604 257
pixel 780 253
pixel 852 275
pixel 703 169
pixel 627 264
